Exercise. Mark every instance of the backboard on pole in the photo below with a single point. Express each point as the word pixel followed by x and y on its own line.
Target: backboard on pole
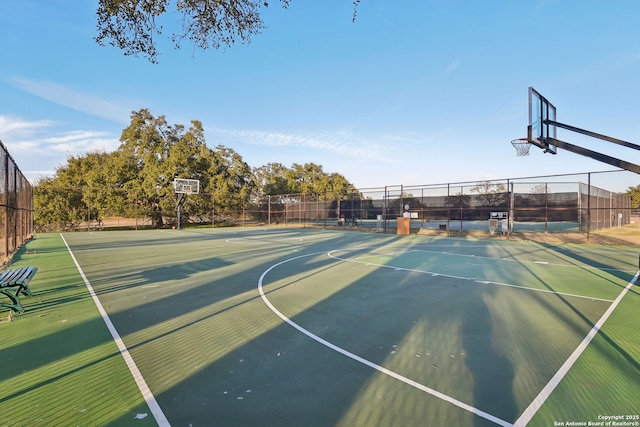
pixel 540 111
pixel 186 186
pixel 541 132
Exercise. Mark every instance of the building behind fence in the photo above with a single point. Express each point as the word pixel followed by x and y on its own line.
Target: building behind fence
pixel 16 205
pixel 572 203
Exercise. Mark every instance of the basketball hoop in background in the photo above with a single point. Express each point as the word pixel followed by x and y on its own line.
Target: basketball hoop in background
pixel 186 186
pixel 183 188
pixel 522 146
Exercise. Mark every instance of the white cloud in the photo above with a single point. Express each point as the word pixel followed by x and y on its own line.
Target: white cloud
pixel 343 143
pixel 40 146
pixel 99 105
pixel 453 66
pixel 41 136
pixel 81 142
pixel 10 126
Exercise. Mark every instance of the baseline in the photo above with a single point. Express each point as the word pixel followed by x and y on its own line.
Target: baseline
pixel 533 407
pixel 148 396
pixel 583 266
pixel 472 279
pixel 537 403
pixel 364 361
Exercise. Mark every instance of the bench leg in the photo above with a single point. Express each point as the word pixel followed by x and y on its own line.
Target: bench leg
pixel 24 290
pixel 15 306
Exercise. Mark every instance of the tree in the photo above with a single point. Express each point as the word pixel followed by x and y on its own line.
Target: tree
pixel 634 193
pixel 136 180
pixel 145 146
pixel 490 194
pixel 457 200
pixel 81 191
pixel 229 180
pixel 539 195
pixel 271 180
pixel 132 26
pixel 276 179
pixel 57 205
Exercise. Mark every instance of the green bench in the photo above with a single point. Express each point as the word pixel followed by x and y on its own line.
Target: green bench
pixel 15 282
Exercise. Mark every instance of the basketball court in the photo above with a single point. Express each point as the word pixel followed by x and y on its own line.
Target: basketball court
pixel 278 326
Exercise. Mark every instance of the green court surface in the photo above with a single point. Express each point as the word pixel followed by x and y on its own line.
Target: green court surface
pixel 299 327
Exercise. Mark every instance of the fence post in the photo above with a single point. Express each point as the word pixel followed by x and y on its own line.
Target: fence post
pixel 6 204
pixel 546 207
pixel 461 208
pixel 213 211
pixel 588 207
pixel 384 210
pixel 509 207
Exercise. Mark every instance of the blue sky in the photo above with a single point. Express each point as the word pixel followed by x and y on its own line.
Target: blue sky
pixel 412 92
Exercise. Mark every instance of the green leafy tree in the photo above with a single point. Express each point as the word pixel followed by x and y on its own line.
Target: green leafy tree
pixel 136 180
pixel 146 143
pixel 57 206
pixel 134 25
pixel 271 180
pixel 229 180
pixel 276 179
pixel 311 178
pixel 82 190
pixel 634 193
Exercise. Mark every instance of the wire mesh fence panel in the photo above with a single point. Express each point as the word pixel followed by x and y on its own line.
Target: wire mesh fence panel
pixel 16 205
pixel 548 204
pixel 607 206
pixel 588 204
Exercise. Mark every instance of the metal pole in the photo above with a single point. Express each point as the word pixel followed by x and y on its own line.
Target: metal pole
pixel 588 206
pixel 461 207
pixel 546 207
pixel 6 207
pixel 384 210
pixel 509 207
pixel 449 207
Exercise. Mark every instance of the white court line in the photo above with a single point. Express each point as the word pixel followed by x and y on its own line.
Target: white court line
pixel 533 408
pixel 149 398
pixel 528 413
pixel 484 282
pixel 583 266
pixel 357 358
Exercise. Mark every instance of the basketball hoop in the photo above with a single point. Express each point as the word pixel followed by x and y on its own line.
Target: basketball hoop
pixel 522 146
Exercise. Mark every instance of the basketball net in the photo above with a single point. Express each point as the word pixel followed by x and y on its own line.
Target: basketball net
pixel 522 146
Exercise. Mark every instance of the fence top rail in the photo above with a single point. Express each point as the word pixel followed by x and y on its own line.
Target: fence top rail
pixel 502 180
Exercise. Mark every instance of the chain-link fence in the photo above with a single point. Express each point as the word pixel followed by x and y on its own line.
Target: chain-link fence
pixel 16 205
pixel 593 206
pixel 590 205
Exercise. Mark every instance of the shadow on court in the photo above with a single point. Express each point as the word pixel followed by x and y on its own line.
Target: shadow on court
pixel 188 309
